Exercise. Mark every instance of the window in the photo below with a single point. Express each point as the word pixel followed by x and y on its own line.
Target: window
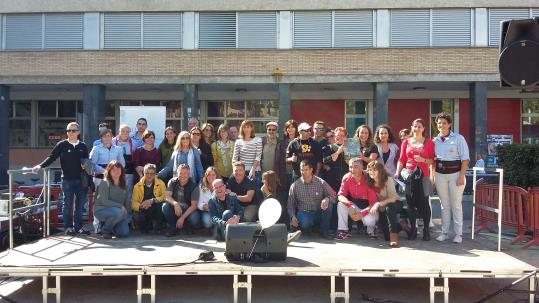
pixel 436 107
pixel 23 31
pixel 410 28
pixel 53 116
pixel 496 15
pixel 451 27
pixel 530 121
pixel 312 29
pixel 122 30
pixel 217 30
pixel 234 112
pixel 257 30
pixel 356 115
pixel 20 124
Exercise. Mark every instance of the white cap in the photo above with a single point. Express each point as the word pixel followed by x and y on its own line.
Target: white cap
pixel 304 126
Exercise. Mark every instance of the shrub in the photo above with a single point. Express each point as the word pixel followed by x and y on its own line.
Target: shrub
pixel 520 163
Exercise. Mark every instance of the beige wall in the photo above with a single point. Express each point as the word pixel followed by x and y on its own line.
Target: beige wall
pixel 13 6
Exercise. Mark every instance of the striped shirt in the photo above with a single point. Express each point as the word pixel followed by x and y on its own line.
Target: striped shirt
pixel 308 196
pixel 248 152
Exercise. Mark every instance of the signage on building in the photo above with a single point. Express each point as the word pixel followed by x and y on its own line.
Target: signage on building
pixel 492 142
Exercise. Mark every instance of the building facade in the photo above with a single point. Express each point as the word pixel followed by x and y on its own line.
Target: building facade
pixel 347 63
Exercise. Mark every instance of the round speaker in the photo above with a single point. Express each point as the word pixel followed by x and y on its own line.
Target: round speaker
pixel 519 63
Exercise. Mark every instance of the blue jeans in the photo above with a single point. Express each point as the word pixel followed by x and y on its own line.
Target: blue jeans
pixel 73 192
pixel 200 219
pixel 113 221
pixel 307 219
pixel 170 216
pixel 219 231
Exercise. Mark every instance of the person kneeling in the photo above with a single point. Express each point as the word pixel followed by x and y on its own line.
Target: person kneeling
pixel 355 200
pixel 111 202
pixel 148 196
pixel 182 200
pixel 224 209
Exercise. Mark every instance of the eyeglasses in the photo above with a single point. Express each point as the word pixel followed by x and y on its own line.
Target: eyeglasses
pixel 320 129
pixel 305 130
pixel 195 134
pixel 72 130
pixel 272 129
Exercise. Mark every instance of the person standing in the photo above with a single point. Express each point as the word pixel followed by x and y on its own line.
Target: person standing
pixel 320 133
pixel 103 153
pixel 183 153
pixel 282 169
pixel 138 136
pixel 234 132
pixel 248 150
pixel 146 154
pixel 417 152
pixel 166 147
pixel 452 159
pixel 125 142
pixel 269 147
pixel 203 148
pixel 222 150
pixel 71 152
pixel 387 149
pixel 368 151
pixel 304 148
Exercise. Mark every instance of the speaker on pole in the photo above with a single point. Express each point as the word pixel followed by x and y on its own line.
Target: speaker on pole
pixel 519 53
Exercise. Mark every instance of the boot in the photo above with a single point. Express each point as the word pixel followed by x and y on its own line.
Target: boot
pixel 393 240
pixel 426 233
pixel 406 228
pixel 413 233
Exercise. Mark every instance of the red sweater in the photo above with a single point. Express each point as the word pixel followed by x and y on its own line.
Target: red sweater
pixel 408 152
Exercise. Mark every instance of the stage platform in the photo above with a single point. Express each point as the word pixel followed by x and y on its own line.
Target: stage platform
pixel 148 256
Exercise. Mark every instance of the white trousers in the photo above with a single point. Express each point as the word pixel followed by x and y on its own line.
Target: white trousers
pixel 451 199
pixel 342 218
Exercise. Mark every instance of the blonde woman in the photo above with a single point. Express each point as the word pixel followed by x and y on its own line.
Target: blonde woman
pixel 184 153
pixel 201 217
pixel 222 150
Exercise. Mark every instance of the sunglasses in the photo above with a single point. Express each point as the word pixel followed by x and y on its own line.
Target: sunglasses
pixel 272 129
pixel 305 130
pixel 72 130
pixel 320 129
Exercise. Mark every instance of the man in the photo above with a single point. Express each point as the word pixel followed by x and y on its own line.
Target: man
pixel 233 131
pixel 146 203
pixel 192 122
pixel 71 152
pixel 103 153
pixel 320 133
pixel 181 196
pixel 224 209
pixel 355 200
pixel 309 201
pixel 102 127
pixel 137 137
pixel 304 148
pixel 244 190
pixel 269 147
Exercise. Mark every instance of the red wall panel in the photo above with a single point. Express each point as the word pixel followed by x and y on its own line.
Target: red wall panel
pixel 401 113
pixel 503 117
pixel 329 111
pixel 464 118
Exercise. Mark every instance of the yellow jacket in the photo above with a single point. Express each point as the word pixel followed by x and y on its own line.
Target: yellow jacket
pixel 218 159
pixel 159 188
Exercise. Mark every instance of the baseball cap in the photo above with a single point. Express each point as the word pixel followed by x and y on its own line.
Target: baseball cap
pixel 272 123
pixel 304 126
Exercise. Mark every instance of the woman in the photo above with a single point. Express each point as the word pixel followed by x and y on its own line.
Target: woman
pixel 269 189
pixel 368 151
pixel 388 206
pixel 103 153
pixel 417 154
pixel 208 133
pixel 282 169
pixel 124 141
pixel 333 157
pixel 222 152
pixel 166 147
pixel 452 158
pixel 248 150
pixel 387 149
pixel 183 153
pixel 201 217
pixel 146 154
pixel 203 148
pixel 111 203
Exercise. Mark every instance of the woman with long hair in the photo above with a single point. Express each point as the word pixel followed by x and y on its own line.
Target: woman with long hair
pixel 417 154
pixel 183 153
pixel 283 169
pixel 388 206
pixel 387 149
pixel 248 150
pixel 201 217
pixel 166 147
pixel 208 133
pixel 111 203
pixel 202 146
pixel 269 189
pixel 222 150
pixel 368 151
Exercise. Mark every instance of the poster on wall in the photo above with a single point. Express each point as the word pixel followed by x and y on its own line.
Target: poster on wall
pixel 155 115
pixel 492 142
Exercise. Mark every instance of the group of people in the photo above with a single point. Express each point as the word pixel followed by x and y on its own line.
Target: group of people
pixel 206 178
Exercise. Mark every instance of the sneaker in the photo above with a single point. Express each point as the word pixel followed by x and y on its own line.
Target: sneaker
pixel 70 231
pixel 457 239
pixel 293 236
pixel 106 235
pixel 84 232
pixel 441 237
pixel 342 235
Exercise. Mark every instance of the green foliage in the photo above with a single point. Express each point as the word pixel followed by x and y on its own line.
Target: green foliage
pixel 520 163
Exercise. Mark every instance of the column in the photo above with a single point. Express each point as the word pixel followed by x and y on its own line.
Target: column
pixel 190 103
pixel 93 100
pixel 284 105
pixel 4 133
pixel 380 103
pixel 478 123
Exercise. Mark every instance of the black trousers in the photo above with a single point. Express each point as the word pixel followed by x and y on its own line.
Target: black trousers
pixel 419 207
pixel 146 218
pixel 389 219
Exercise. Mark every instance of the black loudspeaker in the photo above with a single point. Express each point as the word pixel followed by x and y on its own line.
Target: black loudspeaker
pixel 271 244
pixel 519 53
